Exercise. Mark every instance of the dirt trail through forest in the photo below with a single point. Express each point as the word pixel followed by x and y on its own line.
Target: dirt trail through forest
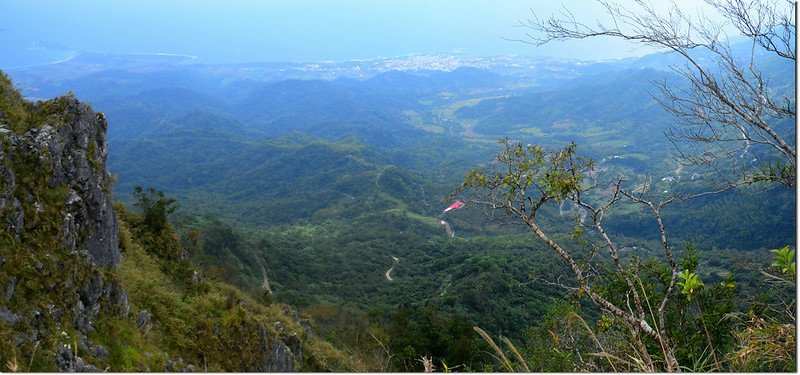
pixel 447 227
pixel 264 285
pixel 389 272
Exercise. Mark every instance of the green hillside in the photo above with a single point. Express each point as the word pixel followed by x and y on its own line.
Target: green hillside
pixel 87 290
pixel 326 192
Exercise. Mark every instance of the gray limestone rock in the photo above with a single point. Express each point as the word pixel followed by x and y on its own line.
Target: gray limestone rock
pixel 83 323
pixel 169 365
pixel 143 320
pixel 96 350
pixel 90 292
pixel 293 342
pixel 308 329
pixel 197 278
pixel 7 316
pixel 55 312
pixel 9 290
pixel 69 151
pixel 65 360
pixel 280 352
pixel 280 358
pixel 74 154
pixel 100 351
pixel 28 336
pixel 119 300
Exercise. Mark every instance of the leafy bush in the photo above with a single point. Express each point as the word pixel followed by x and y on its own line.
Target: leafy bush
pixel 155 206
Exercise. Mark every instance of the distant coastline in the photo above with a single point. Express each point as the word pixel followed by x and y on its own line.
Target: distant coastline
pixel 32 57
pixel 71 56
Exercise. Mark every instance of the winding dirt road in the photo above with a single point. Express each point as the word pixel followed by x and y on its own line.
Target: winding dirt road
pixel 447 227
pixel 389 272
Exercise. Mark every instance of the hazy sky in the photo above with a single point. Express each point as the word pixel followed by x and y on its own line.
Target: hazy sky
pixel 289 30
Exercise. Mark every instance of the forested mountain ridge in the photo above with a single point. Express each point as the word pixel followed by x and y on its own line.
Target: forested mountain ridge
pixel 325 190
pixel 92 287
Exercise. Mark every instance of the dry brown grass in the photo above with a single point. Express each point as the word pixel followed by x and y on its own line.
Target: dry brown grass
pixel 765 346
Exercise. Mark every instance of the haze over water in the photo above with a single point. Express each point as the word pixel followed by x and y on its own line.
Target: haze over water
pixel 41 31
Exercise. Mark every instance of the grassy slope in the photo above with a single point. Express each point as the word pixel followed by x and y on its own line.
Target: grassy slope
pixel 185 317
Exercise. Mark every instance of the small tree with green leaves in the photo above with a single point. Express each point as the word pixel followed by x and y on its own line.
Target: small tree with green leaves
pixel 156 207
pixel 525 179
pixel 154 230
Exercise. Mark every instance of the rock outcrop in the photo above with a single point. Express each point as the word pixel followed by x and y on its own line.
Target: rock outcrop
pixel 58 229
pixel 71 151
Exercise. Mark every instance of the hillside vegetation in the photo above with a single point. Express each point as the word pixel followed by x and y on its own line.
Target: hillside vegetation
pixel 85 291
pixel 325 191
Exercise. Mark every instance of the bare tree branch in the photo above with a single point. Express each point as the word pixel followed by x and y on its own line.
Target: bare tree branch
pixel 728 105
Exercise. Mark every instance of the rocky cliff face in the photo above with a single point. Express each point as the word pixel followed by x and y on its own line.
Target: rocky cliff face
pixel 70 151
pixel 59 241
